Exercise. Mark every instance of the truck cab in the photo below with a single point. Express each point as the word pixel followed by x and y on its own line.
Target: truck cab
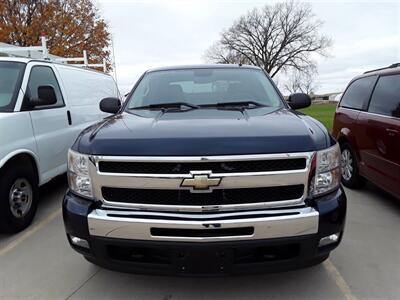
pixel 205 170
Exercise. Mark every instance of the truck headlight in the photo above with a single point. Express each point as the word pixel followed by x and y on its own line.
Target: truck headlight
pixel 78 174
pixel 327 171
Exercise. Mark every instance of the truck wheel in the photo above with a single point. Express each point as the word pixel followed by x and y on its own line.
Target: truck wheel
pixel 350 175
pixel 18 197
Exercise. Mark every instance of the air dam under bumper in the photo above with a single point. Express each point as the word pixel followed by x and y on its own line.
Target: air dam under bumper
pixel 205 244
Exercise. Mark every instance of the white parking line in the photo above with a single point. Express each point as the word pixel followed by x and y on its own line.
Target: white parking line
pixel 29 232
pixel 339 280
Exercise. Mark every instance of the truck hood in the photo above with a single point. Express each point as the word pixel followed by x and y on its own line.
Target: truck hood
pixel 202 132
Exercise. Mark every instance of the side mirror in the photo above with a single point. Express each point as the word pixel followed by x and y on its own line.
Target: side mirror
pixel 46 96
pixel 110 105
pixel 299 100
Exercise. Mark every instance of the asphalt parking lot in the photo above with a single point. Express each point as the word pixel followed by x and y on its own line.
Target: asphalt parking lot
pixel 39 264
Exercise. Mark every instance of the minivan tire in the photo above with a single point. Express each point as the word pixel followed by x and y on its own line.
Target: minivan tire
pixel 355 180
pixel 21 178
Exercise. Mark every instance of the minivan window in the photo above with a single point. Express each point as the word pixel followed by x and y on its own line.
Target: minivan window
pixel 358 93
pixel 42 75
pixel 11 74
pixel 205 86
pixel 385 99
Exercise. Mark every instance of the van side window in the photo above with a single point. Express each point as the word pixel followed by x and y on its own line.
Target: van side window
pixel 386 97
pixel 42 75
pixel 358 93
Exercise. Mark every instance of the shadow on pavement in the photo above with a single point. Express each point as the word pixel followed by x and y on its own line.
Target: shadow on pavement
pixel 312 283
pixel 380 195
pixel 54 188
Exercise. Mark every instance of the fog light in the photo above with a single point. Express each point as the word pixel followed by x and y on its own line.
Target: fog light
pixel 79 242
pixel 330 239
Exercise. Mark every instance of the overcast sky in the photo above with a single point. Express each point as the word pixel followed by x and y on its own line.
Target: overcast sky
pixel 147 34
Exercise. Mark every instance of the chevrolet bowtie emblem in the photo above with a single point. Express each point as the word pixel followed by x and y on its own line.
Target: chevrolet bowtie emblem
pixel 201 182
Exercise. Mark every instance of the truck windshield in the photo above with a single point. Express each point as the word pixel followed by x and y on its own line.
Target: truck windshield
pixel 205 87
pixel 10 80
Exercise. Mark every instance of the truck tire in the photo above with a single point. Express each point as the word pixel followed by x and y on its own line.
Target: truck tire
pixel 351 177
pixel 18 196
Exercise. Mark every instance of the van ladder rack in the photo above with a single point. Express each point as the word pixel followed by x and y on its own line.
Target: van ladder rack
pixel 66 60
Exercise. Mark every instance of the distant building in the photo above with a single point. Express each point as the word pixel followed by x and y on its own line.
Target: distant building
pixel 326 97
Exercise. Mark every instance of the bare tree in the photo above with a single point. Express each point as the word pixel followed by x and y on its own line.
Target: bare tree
pixel 301 82
pixel 218 54
pixel 276 37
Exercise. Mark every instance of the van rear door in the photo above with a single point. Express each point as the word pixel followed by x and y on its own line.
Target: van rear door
pixel 50 123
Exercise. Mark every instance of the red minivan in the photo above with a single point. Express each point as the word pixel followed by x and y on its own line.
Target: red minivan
pixel 367 126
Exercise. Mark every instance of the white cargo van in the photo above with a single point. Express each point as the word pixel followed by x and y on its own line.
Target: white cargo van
pixel 43 107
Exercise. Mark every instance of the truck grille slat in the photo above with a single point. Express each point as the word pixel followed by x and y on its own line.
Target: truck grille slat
pixel 216 197
pixel 215 167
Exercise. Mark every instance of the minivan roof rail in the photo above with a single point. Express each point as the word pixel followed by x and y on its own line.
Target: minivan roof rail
pixel 46 55
pixel 389 67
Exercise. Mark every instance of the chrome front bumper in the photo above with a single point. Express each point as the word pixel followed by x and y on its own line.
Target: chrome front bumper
pixel 267 224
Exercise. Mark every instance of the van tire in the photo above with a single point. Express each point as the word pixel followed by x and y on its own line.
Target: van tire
pixel 355 180
pixel 20 177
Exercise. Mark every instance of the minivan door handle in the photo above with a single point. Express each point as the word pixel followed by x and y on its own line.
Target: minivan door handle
pixel 392 131
pixel 69 117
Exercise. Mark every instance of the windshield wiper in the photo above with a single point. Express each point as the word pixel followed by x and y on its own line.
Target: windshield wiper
pixel 236 105
pixel 167 106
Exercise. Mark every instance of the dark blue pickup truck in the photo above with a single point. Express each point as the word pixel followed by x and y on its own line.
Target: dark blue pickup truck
pixel 205 170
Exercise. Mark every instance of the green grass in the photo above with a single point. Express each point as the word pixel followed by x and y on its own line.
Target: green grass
pixel 322 112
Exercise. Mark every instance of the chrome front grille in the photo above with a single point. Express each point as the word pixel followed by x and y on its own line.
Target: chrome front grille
pixel 201 183
pixel 216 197
pixel 215 167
